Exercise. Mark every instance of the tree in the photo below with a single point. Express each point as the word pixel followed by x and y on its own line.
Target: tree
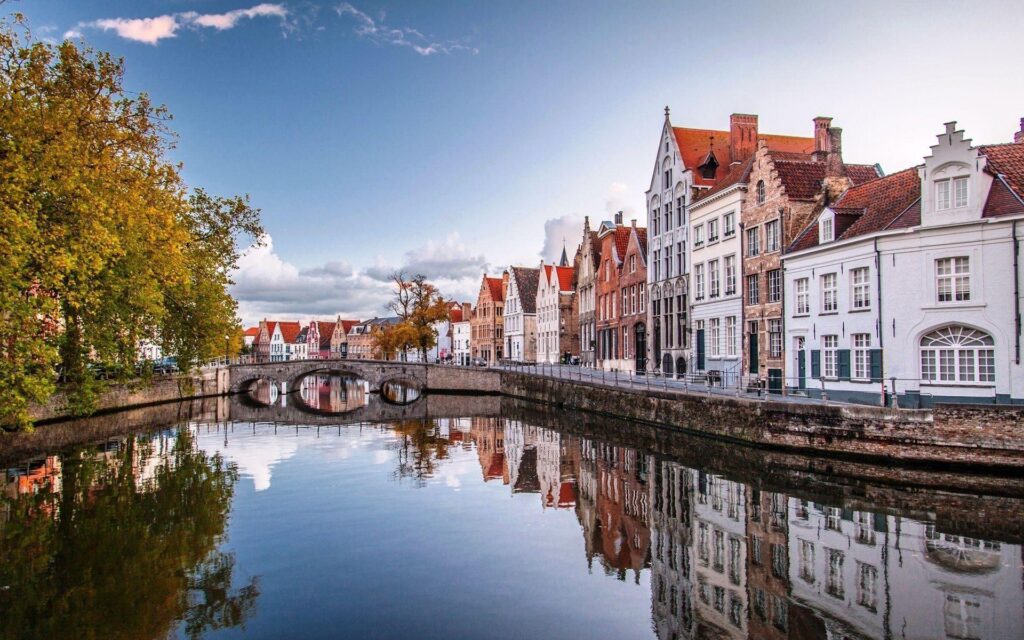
pixel 419 306
pixel 102 245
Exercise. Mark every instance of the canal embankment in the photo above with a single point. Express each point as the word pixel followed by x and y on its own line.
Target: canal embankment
pixel 989 437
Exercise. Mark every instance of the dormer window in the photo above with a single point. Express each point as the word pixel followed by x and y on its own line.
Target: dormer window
pixel 826 231
pixel 951 193
pixel 709 167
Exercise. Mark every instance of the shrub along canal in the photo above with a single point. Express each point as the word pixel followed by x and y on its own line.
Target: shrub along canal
pixel 333 511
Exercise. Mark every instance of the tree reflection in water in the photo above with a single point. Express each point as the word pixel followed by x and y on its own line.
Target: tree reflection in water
pixel 120 541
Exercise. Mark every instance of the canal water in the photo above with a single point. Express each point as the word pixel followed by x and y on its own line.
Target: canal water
pixel 331 512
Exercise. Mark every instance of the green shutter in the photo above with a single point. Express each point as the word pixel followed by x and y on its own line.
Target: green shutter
pixel 876 365
pixel 815 363
pixel 844 364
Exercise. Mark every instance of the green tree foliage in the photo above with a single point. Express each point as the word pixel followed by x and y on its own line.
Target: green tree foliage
pixel 108 553
pixel 101 243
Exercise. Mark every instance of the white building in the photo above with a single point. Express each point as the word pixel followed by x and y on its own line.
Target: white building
pixel 521 314
pixel 460 342
pixel 148 350
pixel 720 537
pixel 911 282
pixel 554 287
pixel 716 301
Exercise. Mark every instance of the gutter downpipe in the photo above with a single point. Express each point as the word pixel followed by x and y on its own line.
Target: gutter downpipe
pixel 1016 292
pixel 881 329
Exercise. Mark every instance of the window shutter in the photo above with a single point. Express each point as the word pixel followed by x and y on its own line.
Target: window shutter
pixel 876 365
pixel 815 363
pixel 844 364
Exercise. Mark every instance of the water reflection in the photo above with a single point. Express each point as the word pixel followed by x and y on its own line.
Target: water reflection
pixel 124 540
pixel 330 393
pixel 264 392
pixel 119 540
pixel 399 393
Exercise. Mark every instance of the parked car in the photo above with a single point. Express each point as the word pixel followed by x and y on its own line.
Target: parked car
pixel 166 366
pixel 479 362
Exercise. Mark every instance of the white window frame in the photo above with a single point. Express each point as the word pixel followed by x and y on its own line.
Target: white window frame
pixel 714 280
pixel 861 356
pixel 953 277
pixel 730 274
pixel 860 288
pixel 801 287
pixel 698 281
pixel 957 355
pixel 714 334
pixel 774 277
pixel 753 242
pixel 830 356
pixel 771 236
pixel 729 225
pixel 829 293
pixel 826 229
pixel 730 336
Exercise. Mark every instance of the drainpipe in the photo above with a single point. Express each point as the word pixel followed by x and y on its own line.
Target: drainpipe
pixel 1016 292
pixel 881 330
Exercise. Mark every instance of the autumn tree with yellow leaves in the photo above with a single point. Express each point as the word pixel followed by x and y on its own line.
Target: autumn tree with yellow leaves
pixel 102 242
pixel 419 306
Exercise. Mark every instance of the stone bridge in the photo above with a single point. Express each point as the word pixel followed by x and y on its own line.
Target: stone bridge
pixel 425 377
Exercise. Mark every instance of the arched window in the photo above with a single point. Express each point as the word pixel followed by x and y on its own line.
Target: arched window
pixel 958 354
pixel 760 192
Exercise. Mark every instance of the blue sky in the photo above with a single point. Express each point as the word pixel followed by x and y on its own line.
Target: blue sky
pixel 454 136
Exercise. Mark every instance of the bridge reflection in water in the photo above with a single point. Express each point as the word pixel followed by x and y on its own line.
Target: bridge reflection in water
pixel 714 541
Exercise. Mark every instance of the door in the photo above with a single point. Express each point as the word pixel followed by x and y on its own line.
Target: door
pixel 700 349
pixel 640 347
pixel 801 366
pixel 775 381
pixel 753 353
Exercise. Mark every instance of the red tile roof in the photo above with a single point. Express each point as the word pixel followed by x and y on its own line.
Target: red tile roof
pixel 290 331
pixel 1006 162
pixel 695 144
pixel 802 180
pixel 346 325
pixel 564 278
pixel 326 330
pixel 252 331
pixel 875 206
pixel 641 239
pixel 494 285
pixel 738 174
pixel 621 242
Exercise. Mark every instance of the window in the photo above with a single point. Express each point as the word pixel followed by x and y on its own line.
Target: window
pixel 668 215
pixel 668 177
pixel 714 331
pixel 861 288
pixel 730 336
pixel 953 279
pixel 753 289
pixel 667 257
pixel 679 211
pixel 698 236
pixel 653 216
pixel 834 584
pixel 760 192
pixel 775 337
pixel 729 225
pixel 753 242
pixel 951 194
pixel 829 300
pixel 679 258
pixel 831 356
pixel 642 290
pixel 803 305
pixel 861 356
pixel 713 279
pixel 625 301
pixel 730 275
pixel 712 230
pixel 958 354
pixel 771 236
pixel 632 298
pixel 775 285
pixel 825 230
pixel 698 281
pixel 807 561
pixel 657 265
pixel 632 263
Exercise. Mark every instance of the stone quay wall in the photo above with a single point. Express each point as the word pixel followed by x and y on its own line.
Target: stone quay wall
pixel 983 437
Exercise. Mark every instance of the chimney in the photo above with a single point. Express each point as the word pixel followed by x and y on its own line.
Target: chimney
pixel 822 142
pixel 618 219
pixel 742 136
pixel 1018 136
pixel 632 223
pixel 834 164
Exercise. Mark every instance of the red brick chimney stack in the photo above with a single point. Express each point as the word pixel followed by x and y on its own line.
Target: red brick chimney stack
pixel 1018 136
pixel 742 136
pixel 822 142
pixel 834 166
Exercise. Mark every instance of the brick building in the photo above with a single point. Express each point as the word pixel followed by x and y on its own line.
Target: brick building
pixel 487 326
pixel 786 191
pixel 631 302
pixel 614 239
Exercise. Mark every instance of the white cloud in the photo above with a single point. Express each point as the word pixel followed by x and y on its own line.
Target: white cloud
pixel 618 187
pixel 380 33
pixel 153 30
pixel 266 286
pixel 565 231
pixel 222 21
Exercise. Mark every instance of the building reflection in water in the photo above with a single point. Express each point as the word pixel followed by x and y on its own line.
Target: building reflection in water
pixel 724 559
pixel 730 561
pixel 333 394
